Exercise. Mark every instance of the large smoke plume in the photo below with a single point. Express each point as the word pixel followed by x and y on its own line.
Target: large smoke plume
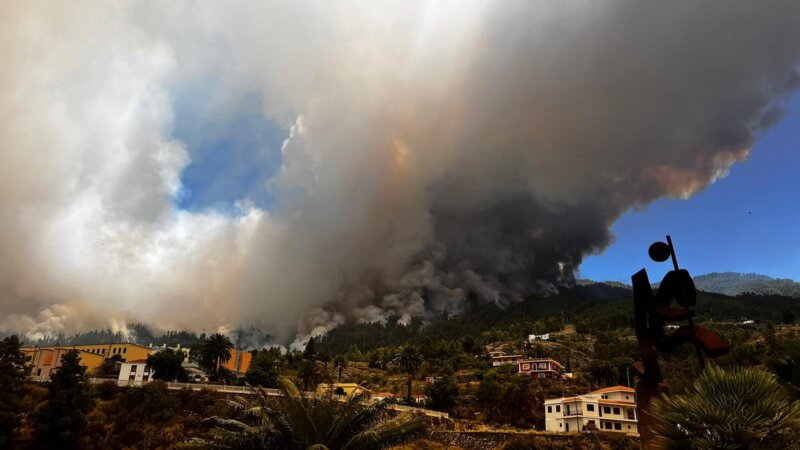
pixel 436 149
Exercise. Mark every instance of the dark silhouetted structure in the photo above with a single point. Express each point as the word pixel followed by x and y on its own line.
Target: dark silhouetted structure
pixel 651 313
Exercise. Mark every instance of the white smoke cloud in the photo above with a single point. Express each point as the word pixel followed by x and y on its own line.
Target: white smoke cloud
pixel 434 150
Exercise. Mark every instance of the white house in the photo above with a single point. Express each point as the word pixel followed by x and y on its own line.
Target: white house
pixel 135 373
pixel 610 409
pixel 538 337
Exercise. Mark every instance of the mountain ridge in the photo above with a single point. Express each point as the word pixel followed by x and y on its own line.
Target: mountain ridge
pixel 726 283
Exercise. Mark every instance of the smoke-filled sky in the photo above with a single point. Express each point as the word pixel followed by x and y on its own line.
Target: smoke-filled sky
pixel 292 165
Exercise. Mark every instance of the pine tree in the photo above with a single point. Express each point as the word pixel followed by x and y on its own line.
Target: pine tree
pixel 310 352
pixel 12 380
pixel 69 399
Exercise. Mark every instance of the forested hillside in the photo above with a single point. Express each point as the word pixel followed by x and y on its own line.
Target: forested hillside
pixel 732 283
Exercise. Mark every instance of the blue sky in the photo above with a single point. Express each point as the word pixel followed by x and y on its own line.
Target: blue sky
pixel 748 221
pixel 233 152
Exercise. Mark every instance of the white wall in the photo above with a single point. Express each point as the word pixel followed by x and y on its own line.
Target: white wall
pixel 138 375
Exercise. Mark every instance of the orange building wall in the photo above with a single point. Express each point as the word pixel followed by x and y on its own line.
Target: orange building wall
pixel 239 362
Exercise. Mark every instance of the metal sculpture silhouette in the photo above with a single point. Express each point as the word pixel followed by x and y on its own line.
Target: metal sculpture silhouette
pixel 651 313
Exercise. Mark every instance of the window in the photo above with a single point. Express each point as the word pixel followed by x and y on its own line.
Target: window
pixel 558 408
pixel 604 397
pixel 39 372
pixel 591 422
pixel 608 425
pixel 630 415
pixel 626 397
pixel 590 407
pixel 618 426
pixel 606 410
pixel 616 410
pixel 125 350
pixel 549 409
pixel 541 375
pixel 526 366
pixel 104 351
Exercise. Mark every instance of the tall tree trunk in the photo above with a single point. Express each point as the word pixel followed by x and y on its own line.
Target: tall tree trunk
pixel 408 399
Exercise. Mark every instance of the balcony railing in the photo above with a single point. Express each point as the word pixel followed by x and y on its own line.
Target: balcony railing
pixel 573 412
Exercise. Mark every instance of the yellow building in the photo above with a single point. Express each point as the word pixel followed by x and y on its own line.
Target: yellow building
pixel 344 389
pixel 126 351
pixel 609 409
pixel 45 360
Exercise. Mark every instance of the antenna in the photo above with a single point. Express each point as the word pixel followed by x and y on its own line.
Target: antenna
pixel 672 252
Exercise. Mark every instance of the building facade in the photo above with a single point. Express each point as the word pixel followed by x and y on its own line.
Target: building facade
pixel 239 362
pixel 342 389
pixel 126 351
pixel 538 337
pixel 135 373
pixel 541 368
pixel 500 359
pixel 46 360
pixel 610 409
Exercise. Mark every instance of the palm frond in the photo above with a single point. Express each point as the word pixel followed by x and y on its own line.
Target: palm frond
pixel 401 429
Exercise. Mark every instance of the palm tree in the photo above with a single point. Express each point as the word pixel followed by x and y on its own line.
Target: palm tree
pixel 214 351
pixel 340 363
pixel 308 372
pixel 738 409
pixel 409 359
pixel 312 423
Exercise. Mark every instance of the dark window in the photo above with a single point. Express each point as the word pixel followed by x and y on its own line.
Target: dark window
pixel 39 372
pixel 626 397
pixel 607 410
pixel 617 426
pixel 590 407
pixel 616 410
pixel 549 409
pixel 558 408
pixel 125 350
pixel 567 429
pixel 559 425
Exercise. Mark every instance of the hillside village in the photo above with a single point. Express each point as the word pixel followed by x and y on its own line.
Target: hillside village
pixel 548 379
